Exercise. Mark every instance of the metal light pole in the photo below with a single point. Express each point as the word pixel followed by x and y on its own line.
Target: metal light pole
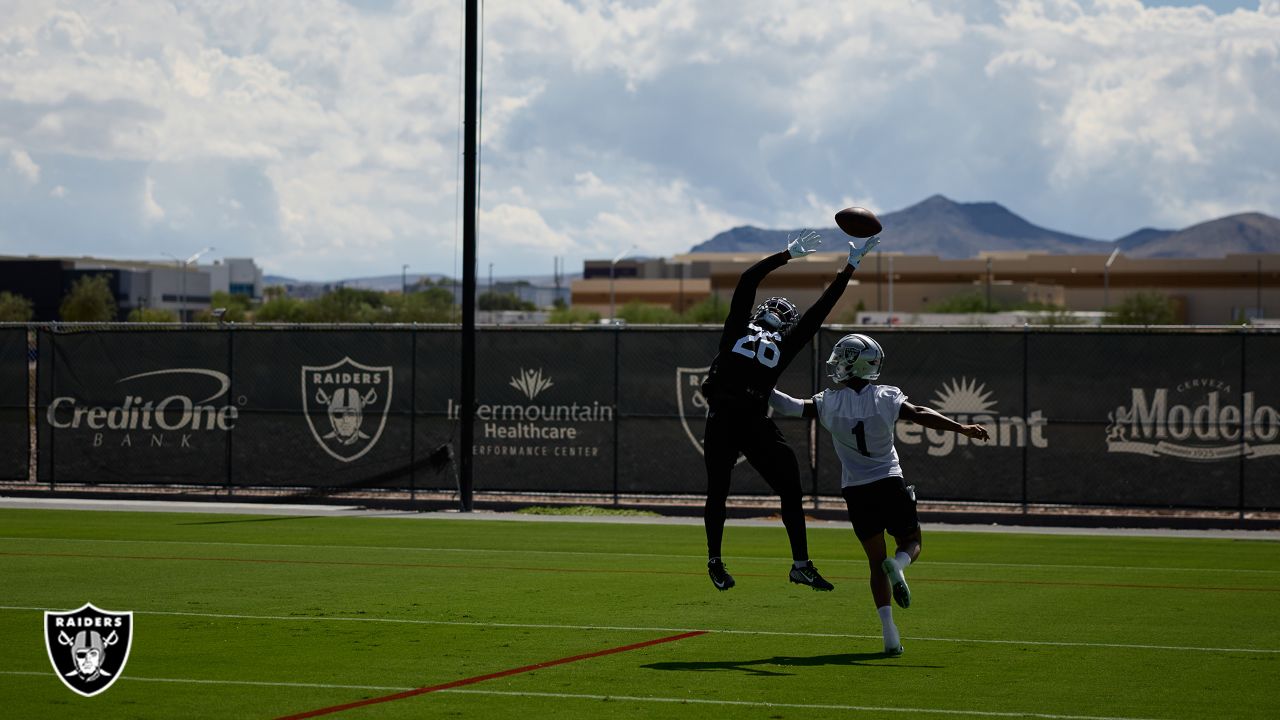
pixel 612 265
pixel 182 296
pixel 404 280
pixel 1106 280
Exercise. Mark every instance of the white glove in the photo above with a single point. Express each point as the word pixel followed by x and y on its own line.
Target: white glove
pixel 856 254
pixel 807 242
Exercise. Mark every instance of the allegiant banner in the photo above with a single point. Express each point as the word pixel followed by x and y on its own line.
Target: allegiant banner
pixel 1177 419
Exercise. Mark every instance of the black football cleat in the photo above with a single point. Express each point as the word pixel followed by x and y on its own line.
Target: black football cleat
pixel 720 577
pixel 898 582
pixel 807 574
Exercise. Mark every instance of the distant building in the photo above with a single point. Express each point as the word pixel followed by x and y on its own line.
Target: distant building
pixel 235 276
pixel 1205 291
pixel 182 289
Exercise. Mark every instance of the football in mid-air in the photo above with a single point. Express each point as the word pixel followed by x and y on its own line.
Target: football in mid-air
pixel 858 222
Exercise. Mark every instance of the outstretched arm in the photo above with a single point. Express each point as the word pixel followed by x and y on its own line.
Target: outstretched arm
pixel 812 319
pixel 930 418
pixel 784 404
pixel 744 294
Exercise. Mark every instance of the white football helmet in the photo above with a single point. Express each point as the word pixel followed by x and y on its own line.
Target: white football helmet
pixel 855 356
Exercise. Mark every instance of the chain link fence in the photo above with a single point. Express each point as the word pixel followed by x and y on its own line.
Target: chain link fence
pixel 1170 418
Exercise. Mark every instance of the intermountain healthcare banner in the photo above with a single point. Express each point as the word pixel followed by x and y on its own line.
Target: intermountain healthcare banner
pixel 135 407
pixel 15 438
pixel 545 411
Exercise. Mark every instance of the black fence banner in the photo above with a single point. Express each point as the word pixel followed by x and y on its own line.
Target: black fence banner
pixel 1170 418
pixel 546 408
pixel 662 413
pixel 323 408
pixel 15 424
pixel 135 407
pixel 1137 419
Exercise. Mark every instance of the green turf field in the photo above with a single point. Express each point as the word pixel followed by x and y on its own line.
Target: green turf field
pixel 266 616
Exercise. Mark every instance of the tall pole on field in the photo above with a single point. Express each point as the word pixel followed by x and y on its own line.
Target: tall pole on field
pixel 470 131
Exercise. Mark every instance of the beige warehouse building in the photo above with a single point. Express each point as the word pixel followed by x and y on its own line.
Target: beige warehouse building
pixel 1211 291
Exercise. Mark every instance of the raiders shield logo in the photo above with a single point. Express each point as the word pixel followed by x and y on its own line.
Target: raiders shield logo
pixel 693 407
pixel 346 406
pixel 88 647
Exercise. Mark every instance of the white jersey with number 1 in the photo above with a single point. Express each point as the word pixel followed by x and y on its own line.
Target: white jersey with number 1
pixel 861 425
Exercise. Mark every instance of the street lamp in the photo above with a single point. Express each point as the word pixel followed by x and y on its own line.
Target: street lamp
pixel 612 265
pixel 182 281
pixel 1106 280
pixel 404 280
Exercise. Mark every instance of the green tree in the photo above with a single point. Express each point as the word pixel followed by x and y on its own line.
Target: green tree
pixel 711 311
pixel 638 313
pixel 281 309
pixel 428 305
pixel 152 315
pixel 502 301
pixel 349 305
pixel 14 308
pixel 89 300
pixel 1144 308
pixel 964 303
pixel 573 316
pixel 236 306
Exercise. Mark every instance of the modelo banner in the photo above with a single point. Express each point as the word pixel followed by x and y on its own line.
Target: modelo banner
pixel 15 438
pixel 135 407
pixel 1163 419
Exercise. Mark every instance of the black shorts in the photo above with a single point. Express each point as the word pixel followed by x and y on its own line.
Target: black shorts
pixel 888 504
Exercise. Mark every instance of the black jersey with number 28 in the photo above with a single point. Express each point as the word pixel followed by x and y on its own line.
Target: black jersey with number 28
pixel 752 357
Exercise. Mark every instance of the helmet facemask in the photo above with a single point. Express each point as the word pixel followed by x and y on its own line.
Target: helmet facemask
pixel 777 314
pixel 855 356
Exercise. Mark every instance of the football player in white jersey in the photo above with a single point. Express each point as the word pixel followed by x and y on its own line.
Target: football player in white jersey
pixel 861 417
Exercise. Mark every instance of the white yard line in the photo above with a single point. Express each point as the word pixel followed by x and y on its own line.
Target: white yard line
pixel 632 628
pixel 588 553
pixel 620 698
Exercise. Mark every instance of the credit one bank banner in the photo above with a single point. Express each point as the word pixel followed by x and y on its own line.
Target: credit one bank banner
pixel 1181 419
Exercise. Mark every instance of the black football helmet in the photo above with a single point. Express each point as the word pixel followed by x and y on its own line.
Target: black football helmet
pixel 777 314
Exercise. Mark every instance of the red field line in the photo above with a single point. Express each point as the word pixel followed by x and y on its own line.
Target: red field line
pixel 491 676
pixel 633 571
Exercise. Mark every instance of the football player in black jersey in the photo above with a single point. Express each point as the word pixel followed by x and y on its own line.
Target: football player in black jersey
pixel 755 348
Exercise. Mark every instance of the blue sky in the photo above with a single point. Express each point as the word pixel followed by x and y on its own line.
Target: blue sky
pixel 321 136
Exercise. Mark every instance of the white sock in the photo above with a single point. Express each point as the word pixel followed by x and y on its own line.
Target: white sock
pixel 887 628
pixel 799 563
pixel 902 559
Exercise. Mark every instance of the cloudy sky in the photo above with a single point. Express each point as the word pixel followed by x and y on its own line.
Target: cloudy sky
pixel 321 136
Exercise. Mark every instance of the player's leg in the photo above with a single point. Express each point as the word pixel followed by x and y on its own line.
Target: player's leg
pixel 720 453
pixel 871 535
pixel 770 454
pixel 903 524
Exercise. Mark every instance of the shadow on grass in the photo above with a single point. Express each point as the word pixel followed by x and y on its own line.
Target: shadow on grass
pixel 758 667
pixel 253 519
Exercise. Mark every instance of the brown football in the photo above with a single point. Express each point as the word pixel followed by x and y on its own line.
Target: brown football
pixel 858 222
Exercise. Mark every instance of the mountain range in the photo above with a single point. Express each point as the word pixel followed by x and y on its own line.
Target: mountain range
pixel 940 226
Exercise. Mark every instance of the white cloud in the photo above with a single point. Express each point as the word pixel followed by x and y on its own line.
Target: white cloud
pixel 151 210
pixel 322 136
pixel 27 168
